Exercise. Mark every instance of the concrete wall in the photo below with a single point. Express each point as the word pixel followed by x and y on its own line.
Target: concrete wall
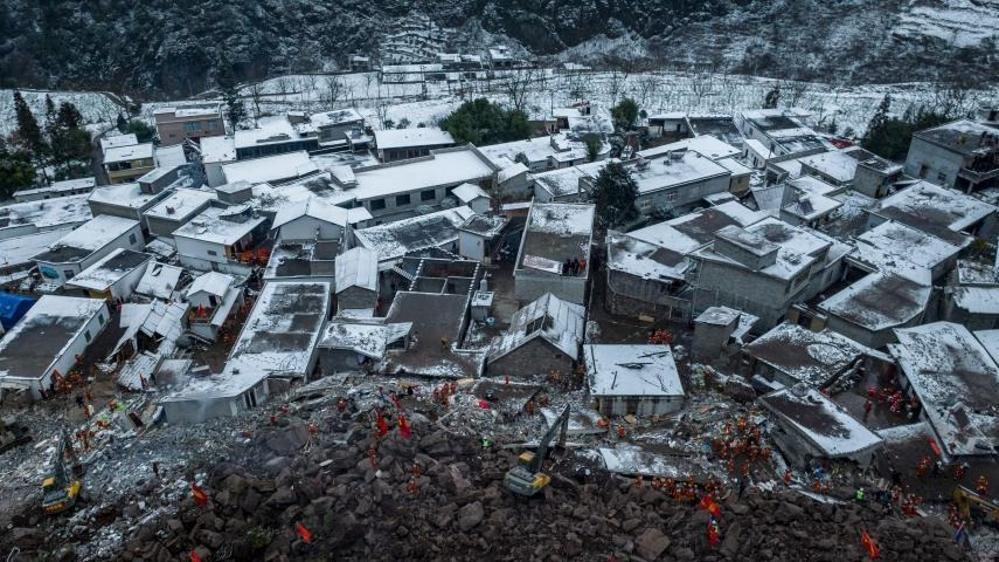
pixel 305 228
pixel 530 284
pixel 163 227
pixel 871 182
pixel 629 295
pixel 684 197
pixel 214 175
pixel 97 208
pixel 933 163
pixel 197 411
pixel 537 357
pixel 763 296
pixel 517 187
pixel 875 339
pixel 127 284
pixel 641 406
pixel 334 361
pixel 261 150
pixel 137 169
pixel 176 132
pixel 471 246
pixel 356 297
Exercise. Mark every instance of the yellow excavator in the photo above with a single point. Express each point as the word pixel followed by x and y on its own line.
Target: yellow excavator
pixel 965 499
pixel 59 490
pixel 528 478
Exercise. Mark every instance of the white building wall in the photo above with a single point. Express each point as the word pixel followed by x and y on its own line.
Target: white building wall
pixel 305 228
pixel 471 246
pixel 65 362
pixel 127 284
pixel 214 175
pixel 57 272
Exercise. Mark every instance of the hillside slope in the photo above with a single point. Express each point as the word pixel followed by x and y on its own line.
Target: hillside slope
pixel 174 47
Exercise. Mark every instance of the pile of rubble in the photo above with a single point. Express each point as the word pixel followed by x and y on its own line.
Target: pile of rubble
pixel 322 483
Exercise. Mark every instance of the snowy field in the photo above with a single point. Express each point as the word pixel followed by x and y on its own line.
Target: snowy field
pixel 99 109
pixel 657 92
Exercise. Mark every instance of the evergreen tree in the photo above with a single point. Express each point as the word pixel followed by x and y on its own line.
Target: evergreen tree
pixel 614 193
pixel 772 98
pixel 228 86
pixel 122 123
pixel 50 112
pixel 29 135
pixel 625 114
pixel 593 146
pixel 69 116
pixel 143 131
pixel 482 122
pixel 890 136
pixel 16 172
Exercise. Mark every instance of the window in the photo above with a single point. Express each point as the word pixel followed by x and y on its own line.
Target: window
pixel 428 195
pixel 131 238
pixel 941 176
pixel 68 273
pixel 212 253
pixel 377 204
pixel 87 336
pixel 100 318
pixel 402 200
pixel 923 170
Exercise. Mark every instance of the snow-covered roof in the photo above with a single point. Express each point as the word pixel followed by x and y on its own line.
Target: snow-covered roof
pixel 820 421
pixel 218 149
pixel 955 379
pixel 97 233
pixel 840 165
pixel 21 249
pixel 180 204
pixel 369 338
pixel 170 156
pixel 270 168
pixel 118 141
pixel 357 267
pixel 963 136
pixel 977 300
pixel 486 226
pixel 644 260
pixel 631 370
pixel 560 147
pixel 441 168
pixel 159 281
pixel 63 186
pixel 335 117
pixel 565 181
pixel 879 301
pixel 798 247
pixel 269 130
pixel 806 356
pixel 555 232
pixel 560 323
pixel 893 246
pixel 319 209
pixel 694 230
pixel 733 166
pixel 211 226
pixel 213 283
pixel 44 334
pixel 126 195
pixel 282 330
pixel 706 145
pixel 395 239
pixel 510 171
pixel 403 138
pixel 807 199
pixel 200 109
pixel 927 205
pixel 468 192
pixel 110 269
pixel 128 153
pixel 759 148
pixel 672 171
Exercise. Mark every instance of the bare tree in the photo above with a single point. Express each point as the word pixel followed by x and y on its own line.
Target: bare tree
pixel 517 86
pixel 256 96
pixel 333 91
pixel 702 85
pixel 793 91
pixel 381 110
pixel 615 82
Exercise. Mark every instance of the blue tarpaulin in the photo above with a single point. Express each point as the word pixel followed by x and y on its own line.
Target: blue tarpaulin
pixel 12 308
